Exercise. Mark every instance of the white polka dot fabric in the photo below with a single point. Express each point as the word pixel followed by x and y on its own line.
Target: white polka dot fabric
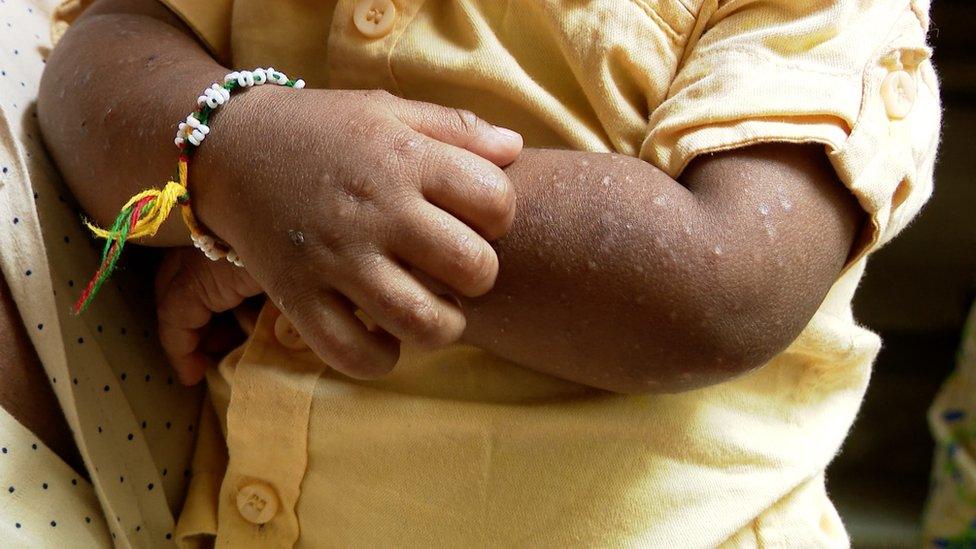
pixel 44 500
pixel 134 425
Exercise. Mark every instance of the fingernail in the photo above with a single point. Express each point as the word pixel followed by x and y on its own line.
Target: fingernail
pixel 509 134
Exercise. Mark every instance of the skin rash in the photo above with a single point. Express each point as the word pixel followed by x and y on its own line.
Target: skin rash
pixel 604 270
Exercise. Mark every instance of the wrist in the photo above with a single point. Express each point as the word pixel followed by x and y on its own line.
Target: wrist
pixel 221 167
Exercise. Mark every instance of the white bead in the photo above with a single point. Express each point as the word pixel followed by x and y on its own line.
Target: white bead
pixel 204 129
pixel 191 121
pixel 178 141
pixel 232 76
pixel 201 100
pixel 203 248
pixel 198 134
pixel 224 93
pixel 234 258
pixel 276 77
pixel 246 79
pixel 213 102
pixel 260 77
pixel 299 84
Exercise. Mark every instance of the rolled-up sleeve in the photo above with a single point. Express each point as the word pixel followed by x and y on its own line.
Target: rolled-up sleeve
pixel 853 76
pixel 208 19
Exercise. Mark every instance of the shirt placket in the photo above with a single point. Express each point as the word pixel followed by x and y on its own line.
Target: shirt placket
pixel 361 40
pixel 267 437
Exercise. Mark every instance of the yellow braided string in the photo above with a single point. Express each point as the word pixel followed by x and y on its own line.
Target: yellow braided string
pixel 186 210
pixel 150 221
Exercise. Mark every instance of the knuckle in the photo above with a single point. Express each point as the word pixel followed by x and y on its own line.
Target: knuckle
pixel 476 265
pixel 363 267
pixel 500 200
pixel 366 130
pixel 291 294
pixel 360 187
pixel 431 156
pixel 467 121
pixel 407 146
pixel 421 323
pixel 337 237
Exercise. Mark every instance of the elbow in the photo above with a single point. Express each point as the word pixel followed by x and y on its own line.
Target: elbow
pixel 721 339
pixel 704 359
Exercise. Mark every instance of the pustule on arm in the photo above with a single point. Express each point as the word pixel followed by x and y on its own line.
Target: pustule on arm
pixel 616 276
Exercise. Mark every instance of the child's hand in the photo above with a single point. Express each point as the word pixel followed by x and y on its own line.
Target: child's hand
pixel 189 290
pixel 333 197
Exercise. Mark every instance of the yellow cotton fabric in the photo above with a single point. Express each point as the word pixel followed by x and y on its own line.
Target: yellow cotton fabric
pixel 461 447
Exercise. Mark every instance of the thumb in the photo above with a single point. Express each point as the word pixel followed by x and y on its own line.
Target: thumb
pixel 461 128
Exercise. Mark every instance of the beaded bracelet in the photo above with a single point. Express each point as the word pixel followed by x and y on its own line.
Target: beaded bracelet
pixel 144 213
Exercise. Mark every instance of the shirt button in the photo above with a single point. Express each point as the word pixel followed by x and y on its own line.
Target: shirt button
pixel 898 92
pixel 374 18
pixel 257 503
pixel 287 335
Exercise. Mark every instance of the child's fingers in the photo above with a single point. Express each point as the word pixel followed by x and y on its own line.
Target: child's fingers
pixel 190 368
pixel 402 306
pixel 446 249
pixel 329 327
pixel 168 267
pixel 182 319
pixel 461 128
pixel 477 193
pixel 190 288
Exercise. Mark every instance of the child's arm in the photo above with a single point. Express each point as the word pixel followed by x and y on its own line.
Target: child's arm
pixel 617 276
pixel 329 196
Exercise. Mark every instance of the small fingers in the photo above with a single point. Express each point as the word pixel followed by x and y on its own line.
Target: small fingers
pixel 189 290
pixel 328 325
pixel 447 250
pixel 475 191
pixel 404 307
pixel 461 128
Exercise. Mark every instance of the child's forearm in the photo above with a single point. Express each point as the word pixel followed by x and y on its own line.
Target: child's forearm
pixel 617 276
pixel 331 197
pixel 111 95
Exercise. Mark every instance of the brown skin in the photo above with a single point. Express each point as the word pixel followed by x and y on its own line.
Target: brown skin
pixel 612 274
pixel 24 392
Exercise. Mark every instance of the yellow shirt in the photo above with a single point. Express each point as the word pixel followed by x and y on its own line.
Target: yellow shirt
pixel 461 447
